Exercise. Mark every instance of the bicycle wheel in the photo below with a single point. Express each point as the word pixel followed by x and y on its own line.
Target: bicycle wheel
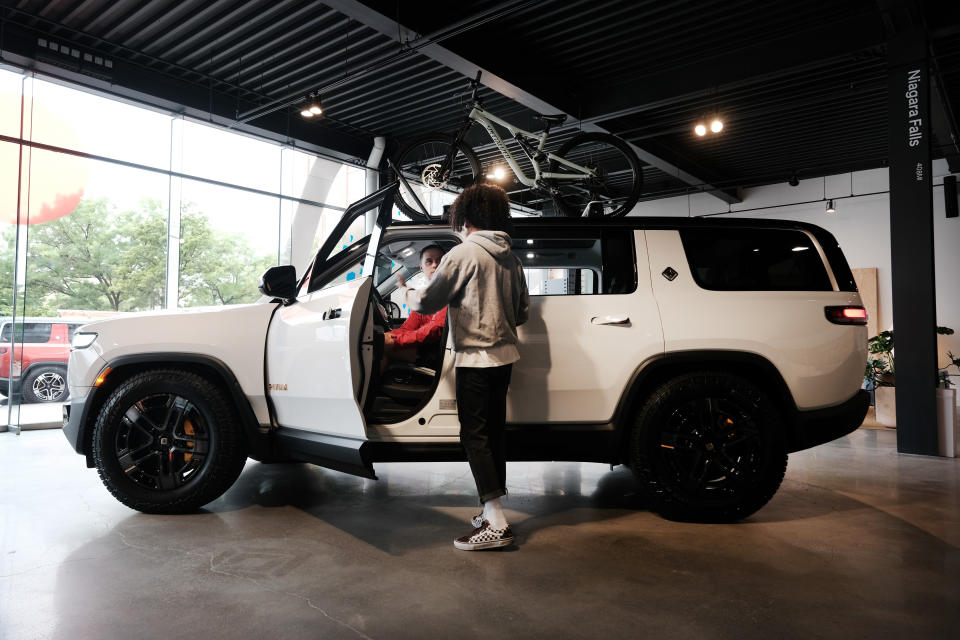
pixel 617 184
pixel 420 163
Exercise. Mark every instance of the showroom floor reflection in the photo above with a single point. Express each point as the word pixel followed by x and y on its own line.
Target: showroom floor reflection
pixel 859 541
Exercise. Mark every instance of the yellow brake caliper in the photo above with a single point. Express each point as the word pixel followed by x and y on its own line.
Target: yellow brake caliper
pixel 188 429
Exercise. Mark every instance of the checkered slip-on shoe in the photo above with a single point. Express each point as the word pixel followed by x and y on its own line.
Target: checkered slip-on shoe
pixel 485 537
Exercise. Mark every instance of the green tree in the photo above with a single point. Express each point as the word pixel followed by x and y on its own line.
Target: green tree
pixel 33 302
pixel 217 267
pixel 99 259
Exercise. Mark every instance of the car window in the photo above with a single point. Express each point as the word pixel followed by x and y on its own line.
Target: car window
pixel 334 262
pixel 29 332
pixel 754 260
pixel 344 266
pixel 402 256
pixel 581 262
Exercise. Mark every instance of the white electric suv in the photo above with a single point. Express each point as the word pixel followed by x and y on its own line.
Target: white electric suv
pixel 699 352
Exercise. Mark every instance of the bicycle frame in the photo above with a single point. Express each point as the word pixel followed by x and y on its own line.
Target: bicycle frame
pixel 480 115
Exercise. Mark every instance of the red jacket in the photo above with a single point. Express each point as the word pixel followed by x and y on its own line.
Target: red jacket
pixel 420 329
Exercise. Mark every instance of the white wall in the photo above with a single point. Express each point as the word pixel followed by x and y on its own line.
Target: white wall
pixel 861 226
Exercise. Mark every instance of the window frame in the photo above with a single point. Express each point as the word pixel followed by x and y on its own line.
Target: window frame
pixel 686 242
pixel 602 270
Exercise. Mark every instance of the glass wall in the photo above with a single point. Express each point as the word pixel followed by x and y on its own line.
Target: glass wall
pixel 136 210
pixel 228 237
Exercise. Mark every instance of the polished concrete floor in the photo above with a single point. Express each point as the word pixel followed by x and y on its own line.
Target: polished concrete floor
pixel 860 542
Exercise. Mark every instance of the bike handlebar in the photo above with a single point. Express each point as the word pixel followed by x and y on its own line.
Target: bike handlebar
pixel 475 87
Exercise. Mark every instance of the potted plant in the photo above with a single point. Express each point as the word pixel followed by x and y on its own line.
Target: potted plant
pixel 948 434
pixel 881 373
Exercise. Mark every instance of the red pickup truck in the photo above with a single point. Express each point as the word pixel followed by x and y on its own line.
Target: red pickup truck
pixel 41 348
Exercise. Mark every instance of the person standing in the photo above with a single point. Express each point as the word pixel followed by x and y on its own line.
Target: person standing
pixel 483 284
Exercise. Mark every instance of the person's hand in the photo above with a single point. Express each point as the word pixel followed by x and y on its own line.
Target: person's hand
pixel 388 339
pixel 401 281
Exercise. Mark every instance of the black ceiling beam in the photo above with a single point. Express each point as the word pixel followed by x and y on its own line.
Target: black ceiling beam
pixel 149 86
pixel 944 126
pixel 519 93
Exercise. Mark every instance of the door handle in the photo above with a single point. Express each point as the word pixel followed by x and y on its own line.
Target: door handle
pixel 621 320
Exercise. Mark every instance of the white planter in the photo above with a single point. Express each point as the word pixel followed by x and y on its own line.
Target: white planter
pixel 948 437
pixel 886 406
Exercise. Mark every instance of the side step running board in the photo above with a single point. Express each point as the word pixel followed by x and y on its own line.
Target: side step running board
pixel 333 452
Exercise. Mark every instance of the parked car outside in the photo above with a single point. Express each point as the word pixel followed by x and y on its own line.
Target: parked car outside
pixel 41 349
pixel 699 352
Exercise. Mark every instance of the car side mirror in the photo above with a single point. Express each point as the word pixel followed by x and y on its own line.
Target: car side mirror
pixel 280 283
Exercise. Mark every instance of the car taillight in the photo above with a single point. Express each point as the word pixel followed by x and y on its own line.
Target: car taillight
pixel 846 315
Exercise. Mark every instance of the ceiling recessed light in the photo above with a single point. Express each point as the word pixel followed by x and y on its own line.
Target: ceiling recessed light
pixel 716 126
pixel 700 130
pixel 496 173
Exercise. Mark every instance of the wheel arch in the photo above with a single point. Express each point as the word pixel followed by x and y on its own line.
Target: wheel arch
pixel 60 364
pixel 657 370
pixel 216 371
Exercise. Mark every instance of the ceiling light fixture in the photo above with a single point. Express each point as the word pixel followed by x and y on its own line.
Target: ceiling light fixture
pixel 716 126
pixel 496 173
pixel 700 129
pixel 830 207
pixel 312 106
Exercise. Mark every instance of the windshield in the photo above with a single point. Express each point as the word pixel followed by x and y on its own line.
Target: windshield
pixel 342 255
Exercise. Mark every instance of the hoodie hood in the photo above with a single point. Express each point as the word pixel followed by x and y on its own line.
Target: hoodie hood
pixel 496 243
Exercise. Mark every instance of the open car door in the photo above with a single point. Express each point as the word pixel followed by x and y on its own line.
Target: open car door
pixel 319 350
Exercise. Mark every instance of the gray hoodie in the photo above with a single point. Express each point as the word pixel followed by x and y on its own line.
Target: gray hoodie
pixel 483 283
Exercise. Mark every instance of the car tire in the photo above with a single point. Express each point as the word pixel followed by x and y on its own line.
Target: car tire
pixel 708 446
pixel 45 384
pixel 167 441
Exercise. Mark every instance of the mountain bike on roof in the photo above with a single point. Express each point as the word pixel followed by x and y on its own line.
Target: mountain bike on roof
pixel 592 174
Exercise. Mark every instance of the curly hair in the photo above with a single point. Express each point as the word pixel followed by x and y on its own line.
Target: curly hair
pixel 484 206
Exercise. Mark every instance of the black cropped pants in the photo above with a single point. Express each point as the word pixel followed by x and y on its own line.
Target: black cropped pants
pixel 482 409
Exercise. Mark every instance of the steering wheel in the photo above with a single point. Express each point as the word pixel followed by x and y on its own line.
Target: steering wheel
pixel 380 306
pixel 387 309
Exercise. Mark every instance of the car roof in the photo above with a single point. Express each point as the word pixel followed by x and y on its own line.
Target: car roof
pixel 639 222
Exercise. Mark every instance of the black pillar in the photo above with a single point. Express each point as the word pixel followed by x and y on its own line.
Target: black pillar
pixel 911 242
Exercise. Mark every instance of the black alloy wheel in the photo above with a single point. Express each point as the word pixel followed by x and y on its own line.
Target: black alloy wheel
pixel 708 447
pixel 162 441
pixel 166 441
